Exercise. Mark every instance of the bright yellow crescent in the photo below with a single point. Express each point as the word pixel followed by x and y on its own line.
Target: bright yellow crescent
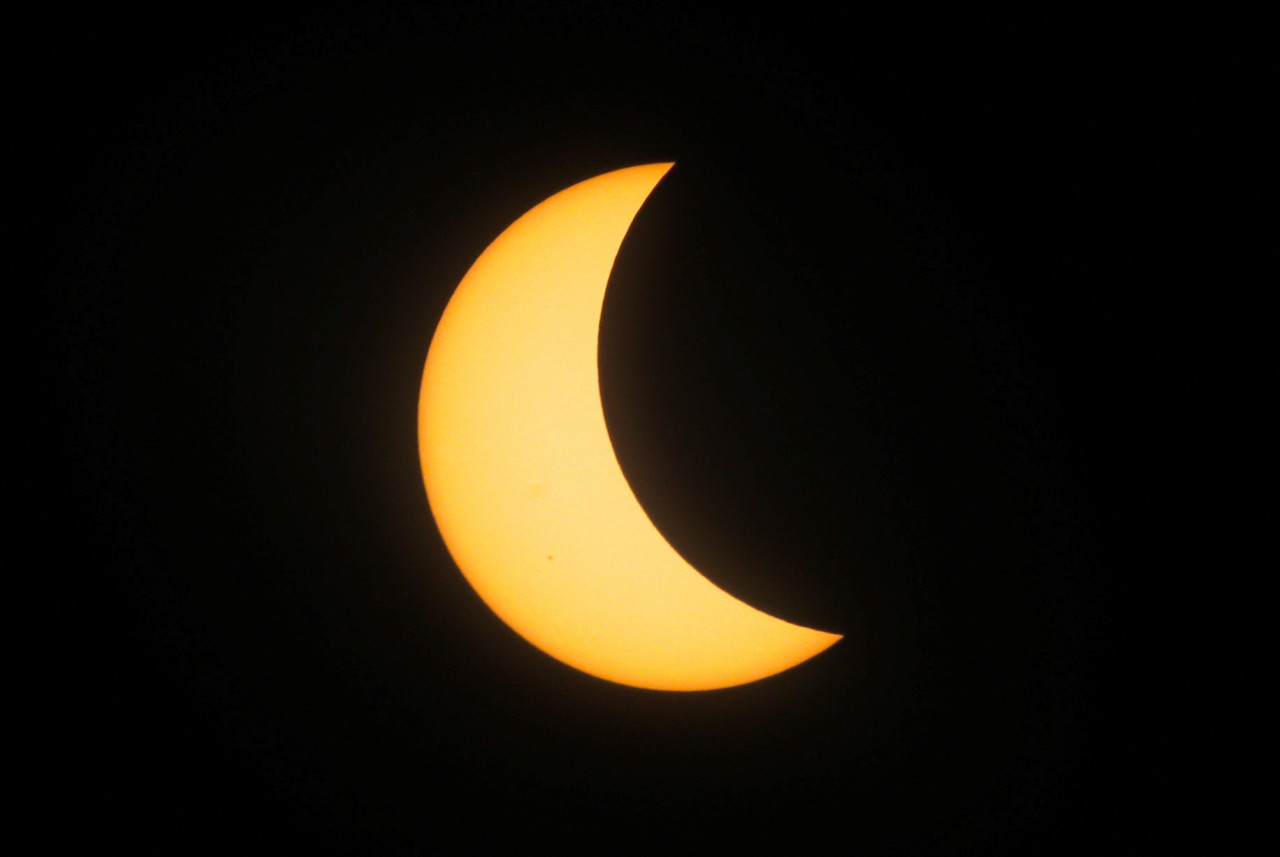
pixel 523 480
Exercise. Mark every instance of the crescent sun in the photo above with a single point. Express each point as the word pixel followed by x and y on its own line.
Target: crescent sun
pixel 523 481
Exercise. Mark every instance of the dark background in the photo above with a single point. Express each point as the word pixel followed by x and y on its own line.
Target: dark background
pixel 927 339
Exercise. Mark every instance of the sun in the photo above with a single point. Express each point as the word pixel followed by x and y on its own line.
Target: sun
pixel 523 480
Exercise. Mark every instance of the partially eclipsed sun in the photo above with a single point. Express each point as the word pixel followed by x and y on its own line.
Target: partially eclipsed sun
pixel 524 483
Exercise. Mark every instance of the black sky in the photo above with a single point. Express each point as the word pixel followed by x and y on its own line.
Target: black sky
pixel 922 341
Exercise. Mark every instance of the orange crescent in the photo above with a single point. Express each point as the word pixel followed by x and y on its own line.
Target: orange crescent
pixel 523 480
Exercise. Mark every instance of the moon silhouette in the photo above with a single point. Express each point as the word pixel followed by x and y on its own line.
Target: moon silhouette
pixel 523 480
